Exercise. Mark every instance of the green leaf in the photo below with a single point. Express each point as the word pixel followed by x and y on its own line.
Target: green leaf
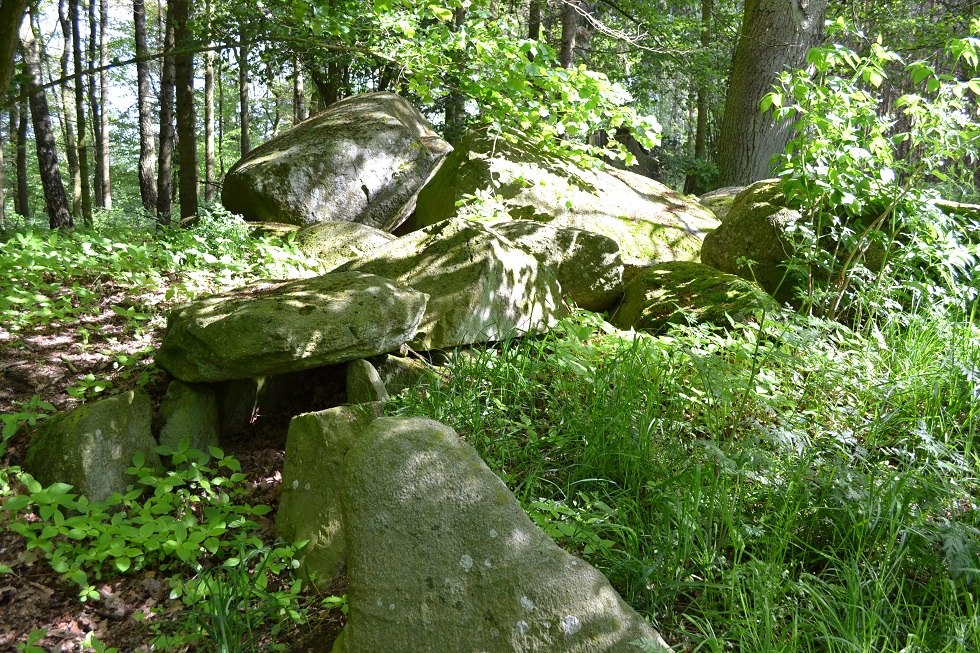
pixel 441 13
pixel 122 564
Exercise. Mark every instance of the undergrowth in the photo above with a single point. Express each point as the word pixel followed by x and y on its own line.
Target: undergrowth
pixel 793 486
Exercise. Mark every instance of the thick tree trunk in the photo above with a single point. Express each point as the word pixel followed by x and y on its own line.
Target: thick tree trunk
pixel 71 148
pixel 82 128
pixel 775 35
pixel 55 199
pixel 570 21
pixel 11 15
pixel 243 74
pixel 165 158
pixel 148 191
pixel 22 198
pixel 694 183
pixel 186 118
pixel 534 20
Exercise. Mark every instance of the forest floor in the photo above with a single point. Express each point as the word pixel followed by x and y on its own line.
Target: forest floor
pixel 42 363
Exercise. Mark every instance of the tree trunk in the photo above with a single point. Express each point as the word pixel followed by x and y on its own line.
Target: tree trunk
pixel 55 199
pixel 210 180
pixel 299 93
pixel 82 129
pixel 11 15
pixel 246 143
pixel 93 104
pixel 22 198
pixel 186 118
pixel 148 191
pixel 165 158
pixel 534 20
pixel 100 115
pixel 570 21
pixel 694 183
pixel 71 148
pixel 3 194
pixel 775 35
pixel 455 102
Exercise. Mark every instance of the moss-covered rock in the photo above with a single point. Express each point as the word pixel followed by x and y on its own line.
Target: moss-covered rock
pixel 480 286
pixel 270 328
pixel 189 411
pixel 335 243
pixel 588 265
pixel 649 222
pixel 312 485
pixel 362 160
pixel 442 559
pixel 92 446
pixel 681 292
pixel 719 201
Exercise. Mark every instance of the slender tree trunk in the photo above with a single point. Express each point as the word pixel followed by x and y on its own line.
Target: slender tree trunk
pixel 299 93
pixel 82 129
pixel 243 74
pixel 102 133
pixel 166 155
pixel 148 191
pixel 694 183
pixel 71 149
pixel 455 102
pixel 93 105
pixel 570 21
pixel 221 122
pixel 22 198
pixel 210 180
pixel 3 188
pixel 775 35
pixel 55 199
pixel 534 20
pixel 186 117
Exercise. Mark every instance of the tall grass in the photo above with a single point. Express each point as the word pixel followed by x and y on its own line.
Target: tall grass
pixel 792 486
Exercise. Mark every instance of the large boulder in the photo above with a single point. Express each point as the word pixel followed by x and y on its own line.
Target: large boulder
pixel 189 411
pixel 719 201
pixel 681 292
pixel 588 265
pixel 312 484
pixel 650 222
pixel 755 231
pixel 362 160
pixel 481 287
pixel 335 243
pixel 442 559
pixel 92 446
pixel 269 328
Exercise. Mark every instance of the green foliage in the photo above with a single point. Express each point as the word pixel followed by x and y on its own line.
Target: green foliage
pixel 763 488
pixel 173 521
pixel 872 237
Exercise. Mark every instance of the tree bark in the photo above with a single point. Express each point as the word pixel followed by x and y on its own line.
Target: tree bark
pixel 299 93
pixel 71 147
pixel 570 20
pixel 11 15
pixel 210 180
pixel 534 20
pixel 775 35
pixel 3 195
pixel 100 117
pixel 55 199
pixel 455 102
pixel 22 198
pixel 243 74
pixel 694 183
pixel 82 129
pixel 165 157
pixel 148 191
pixel 186 117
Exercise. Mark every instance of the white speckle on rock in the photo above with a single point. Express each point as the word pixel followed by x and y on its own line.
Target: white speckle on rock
pixel 493 532
pixel 494 633
pixel 527 603
pixel 570 625
pixel 487 563
pixel 391 606
pixel 522 627
pixel 295 485
pixel 306 487
pixel 466 562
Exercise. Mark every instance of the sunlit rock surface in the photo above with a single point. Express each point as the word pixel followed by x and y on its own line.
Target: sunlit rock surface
pixel 362 160
pixel 271 328
pixel 442 559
